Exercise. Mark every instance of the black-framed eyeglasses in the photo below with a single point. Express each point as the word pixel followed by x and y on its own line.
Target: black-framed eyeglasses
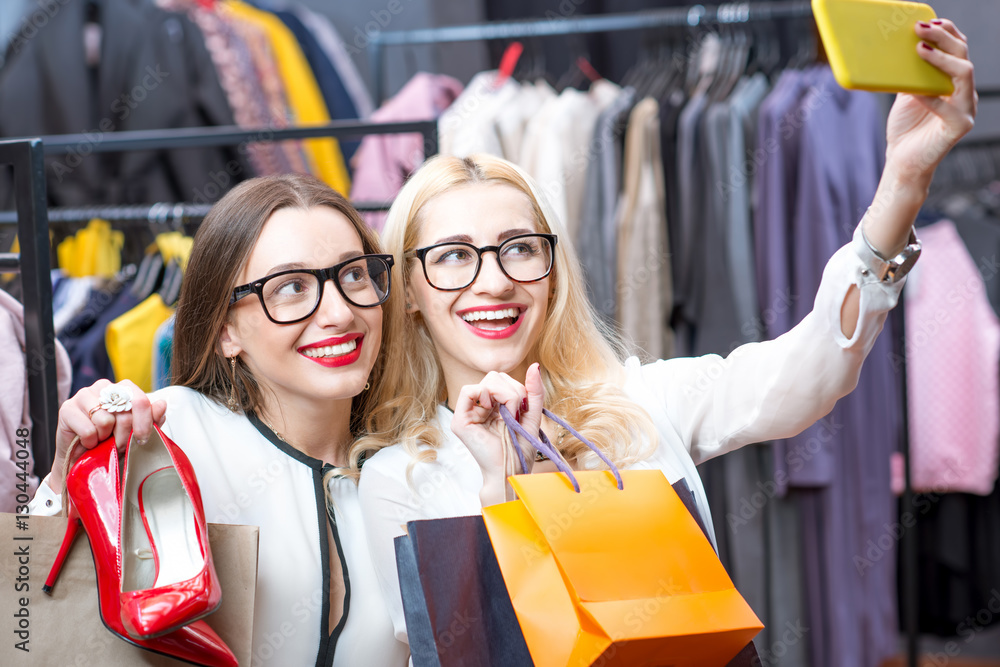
pixel 525 258
pixel 294 295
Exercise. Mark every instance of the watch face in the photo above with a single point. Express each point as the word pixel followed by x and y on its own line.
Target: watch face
pixel 903 262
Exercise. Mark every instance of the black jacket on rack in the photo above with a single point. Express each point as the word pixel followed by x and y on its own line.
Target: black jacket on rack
pixel 154 72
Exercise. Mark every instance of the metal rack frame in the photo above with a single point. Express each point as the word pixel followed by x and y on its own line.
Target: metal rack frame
pixel 32 220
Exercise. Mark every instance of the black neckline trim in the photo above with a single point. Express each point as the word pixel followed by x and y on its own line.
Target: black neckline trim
pixel 328 640
pixel 258 424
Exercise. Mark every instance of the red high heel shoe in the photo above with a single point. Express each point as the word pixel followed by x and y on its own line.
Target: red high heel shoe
pixel 163 519
pixel 92 486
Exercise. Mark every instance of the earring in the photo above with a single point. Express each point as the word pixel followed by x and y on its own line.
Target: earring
pixel 408 305
pixel 232 403
pixel 368 385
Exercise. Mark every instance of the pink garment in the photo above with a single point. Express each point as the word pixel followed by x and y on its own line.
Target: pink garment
pixel 953 370
pixel 14 412
pixel 384 161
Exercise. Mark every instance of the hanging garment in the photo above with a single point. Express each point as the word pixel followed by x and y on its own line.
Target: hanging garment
pixel 266 73
pixel 643 287
pixel 952 371
pixel 154 72
pixel 234 65
pixel 84 337
pixel 687 232
pixel 95 250
pixel 73 297
pixel 844 459
pixel 723 298
pixel 511 124
pixel 557 147
pixel 14 412
pixel 384 161
pixel 304 96
pixel 779 130
pixel 597 237
pixel 163 353
pixel 333 45
pixel 671 105
pixel 338 101
pixel 959 551
pixel 129 338
pixel 468 126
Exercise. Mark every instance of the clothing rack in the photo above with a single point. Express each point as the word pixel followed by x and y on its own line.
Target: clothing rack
pixel 32 218
pixel 693 16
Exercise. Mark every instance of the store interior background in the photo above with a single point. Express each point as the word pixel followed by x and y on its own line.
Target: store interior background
pixel 358 20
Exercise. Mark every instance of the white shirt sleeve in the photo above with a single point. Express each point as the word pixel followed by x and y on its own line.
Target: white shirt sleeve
pixel 775 389
pixel 46 501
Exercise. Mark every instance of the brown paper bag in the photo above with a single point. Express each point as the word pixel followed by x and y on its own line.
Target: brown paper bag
pixel 65 628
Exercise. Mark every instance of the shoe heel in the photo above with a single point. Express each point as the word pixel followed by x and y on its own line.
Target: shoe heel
pixel 72 528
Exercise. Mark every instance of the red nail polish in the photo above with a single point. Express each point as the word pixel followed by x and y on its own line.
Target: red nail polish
pixel 517 415
pixel 524 405
pixel 937 22
pixel 926 46
pixel 924 25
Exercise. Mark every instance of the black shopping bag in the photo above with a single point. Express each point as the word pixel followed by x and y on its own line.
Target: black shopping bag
pixel 455 602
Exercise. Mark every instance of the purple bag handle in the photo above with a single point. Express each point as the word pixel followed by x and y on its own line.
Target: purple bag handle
pixel 542 444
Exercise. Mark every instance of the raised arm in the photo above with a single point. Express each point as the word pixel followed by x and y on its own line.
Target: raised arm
pixel 920 132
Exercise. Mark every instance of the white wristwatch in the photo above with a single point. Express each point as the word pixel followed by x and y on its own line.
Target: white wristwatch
pixel 887 270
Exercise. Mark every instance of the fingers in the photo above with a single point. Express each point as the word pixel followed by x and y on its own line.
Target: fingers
pixel 945 36
pixel 96 424
pixel 947 49
pixel 480 401
pixel 74 422
pixel 159 409
pixel 948 25
pixel 81 416
pixel 138 421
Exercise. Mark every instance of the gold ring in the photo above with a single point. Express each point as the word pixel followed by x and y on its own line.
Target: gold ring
pixel 95 409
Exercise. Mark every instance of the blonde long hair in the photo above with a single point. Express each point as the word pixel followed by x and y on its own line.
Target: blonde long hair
pixel 581 359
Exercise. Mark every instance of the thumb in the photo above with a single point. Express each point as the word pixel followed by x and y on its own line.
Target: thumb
pixel 531 418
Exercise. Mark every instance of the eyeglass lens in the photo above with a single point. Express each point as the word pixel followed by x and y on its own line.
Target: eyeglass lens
pixel 454 265
pixel 293 296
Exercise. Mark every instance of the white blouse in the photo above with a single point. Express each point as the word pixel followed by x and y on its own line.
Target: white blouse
pixel 701 406
pixel 250 479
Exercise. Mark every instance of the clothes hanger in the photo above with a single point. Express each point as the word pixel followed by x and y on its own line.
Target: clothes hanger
pixel 575 76
pixel 170 289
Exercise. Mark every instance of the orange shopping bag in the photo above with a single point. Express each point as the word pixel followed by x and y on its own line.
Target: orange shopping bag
pixel 610 568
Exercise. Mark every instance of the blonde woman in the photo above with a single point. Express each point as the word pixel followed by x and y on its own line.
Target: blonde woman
pixel 493 288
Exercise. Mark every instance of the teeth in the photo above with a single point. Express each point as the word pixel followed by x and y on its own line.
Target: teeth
pixel 476 315
pixel 331 350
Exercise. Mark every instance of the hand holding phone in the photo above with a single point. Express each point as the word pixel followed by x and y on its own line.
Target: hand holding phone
pixel 872 46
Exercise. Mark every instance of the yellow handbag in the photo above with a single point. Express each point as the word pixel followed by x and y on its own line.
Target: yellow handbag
pixel 610 567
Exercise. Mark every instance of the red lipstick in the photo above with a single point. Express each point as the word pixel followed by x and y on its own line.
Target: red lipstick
pixel 333 362
pixel 495 334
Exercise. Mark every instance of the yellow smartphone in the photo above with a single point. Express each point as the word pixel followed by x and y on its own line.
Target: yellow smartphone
pixel 871 45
